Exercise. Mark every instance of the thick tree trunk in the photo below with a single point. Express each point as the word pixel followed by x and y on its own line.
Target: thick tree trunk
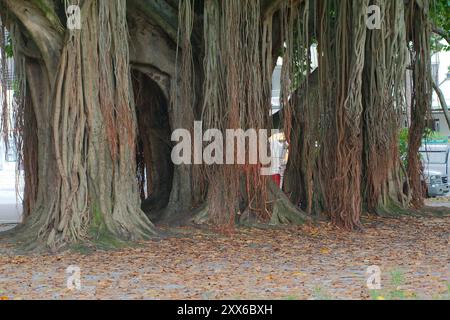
pixel 341 64
pixel 87 187
pixel 302 178
pixel 183 192
pixel 40 95
pixel 383 91
pixel 419 30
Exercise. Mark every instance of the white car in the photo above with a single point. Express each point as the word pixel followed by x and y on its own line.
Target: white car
pixel 437 184
pixel 436 162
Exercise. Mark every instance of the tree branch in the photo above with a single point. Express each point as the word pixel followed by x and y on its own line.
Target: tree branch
pixel 48 9
pixel 442 102
pixel 161 13
pixel 47 38
pixel 269 7
pixel 442 33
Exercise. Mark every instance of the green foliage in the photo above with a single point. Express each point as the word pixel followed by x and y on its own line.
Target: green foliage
pixel 403 142
pixel 397 278
pixel 9 47
pixel 447 295
pixel 440 17
pixel 432 135
pixel 321 294
pixel 395 292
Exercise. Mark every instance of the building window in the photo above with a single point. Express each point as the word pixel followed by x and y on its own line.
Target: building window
pixel 436 125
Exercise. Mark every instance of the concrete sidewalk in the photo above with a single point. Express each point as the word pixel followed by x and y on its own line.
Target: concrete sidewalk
pixel 6 227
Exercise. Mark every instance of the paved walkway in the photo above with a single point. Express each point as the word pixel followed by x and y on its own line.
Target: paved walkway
pixel 443 202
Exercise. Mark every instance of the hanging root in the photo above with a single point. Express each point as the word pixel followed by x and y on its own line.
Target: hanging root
pixel 341 62
pixel 234 61
pixel 384 102
pixel 418 27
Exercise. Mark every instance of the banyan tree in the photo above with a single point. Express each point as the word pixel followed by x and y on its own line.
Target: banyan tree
pixel 95 107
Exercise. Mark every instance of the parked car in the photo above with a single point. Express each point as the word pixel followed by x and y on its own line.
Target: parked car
pixel 436 162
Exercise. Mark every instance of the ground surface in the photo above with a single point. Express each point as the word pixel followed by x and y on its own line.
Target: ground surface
pixel 303 263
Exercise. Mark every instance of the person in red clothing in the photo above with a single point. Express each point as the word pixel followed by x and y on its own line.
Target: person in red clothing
pixel 277 179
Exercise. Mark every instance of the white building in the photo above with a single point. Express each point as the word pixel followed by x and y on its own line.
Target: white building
pixel 9 98
pixel 10 201
pixel 276 79
pixel 440 63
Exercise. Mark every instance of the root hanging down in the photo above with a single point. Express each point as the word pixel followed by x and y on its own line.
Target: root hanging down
pixel 384 102
pixel 419 30
pixel 236 96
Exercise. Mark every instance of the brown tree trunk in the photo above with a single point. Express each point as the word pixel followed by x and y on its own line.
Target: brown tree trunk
pixel 383 90
pixel 419 31
pixel 87 187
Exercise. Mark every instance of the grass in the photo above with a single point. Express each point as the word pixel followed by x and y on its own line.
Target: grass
pixel 395 291
pixel 321 294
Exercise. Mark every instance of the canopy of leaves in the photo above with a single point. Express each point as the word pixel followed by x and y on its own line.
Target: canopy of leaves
pixel 440 15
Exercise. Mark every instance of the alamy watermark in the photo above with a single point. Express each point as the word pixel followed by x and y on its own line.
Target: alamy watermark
pixel 73 278
pixel 374 279
pixel 73 13
pixel 373 21
pixel 237 147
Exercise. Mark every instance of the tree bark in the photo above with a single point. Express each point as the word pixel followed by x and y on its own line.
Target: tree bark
pixel 442 101
pixel 84 108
